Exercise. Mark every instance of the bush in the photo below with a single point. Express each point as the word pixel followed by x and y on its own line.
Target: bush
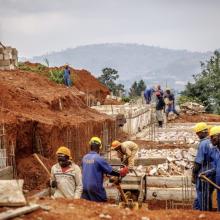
pixel 126 99
pixel 183 99
pixel 56 75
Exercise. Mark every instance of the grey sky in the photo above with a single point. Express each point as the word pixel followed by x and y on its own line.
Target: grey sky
pixel 40 26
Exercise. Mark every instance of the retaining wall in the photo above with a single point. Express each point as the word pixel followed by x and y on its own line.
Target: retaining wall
pixel 137 116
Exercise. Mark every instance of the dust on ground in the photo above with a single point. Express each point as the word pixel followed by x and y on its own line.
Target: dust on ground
pixel 81 209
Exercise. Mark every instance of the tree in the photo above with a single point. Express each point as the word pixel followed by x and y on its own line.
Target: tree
pixel 133 90
pixel 108 78
pixel 137 88
pixel 206 88
pixel 141 87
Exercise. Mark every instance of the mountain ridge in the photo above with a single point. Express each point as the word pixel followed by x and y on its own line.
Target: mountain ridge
pixel 133 62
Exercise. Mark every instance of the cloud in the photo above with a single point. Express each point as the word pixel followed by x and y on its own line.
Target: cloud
pixel 36 27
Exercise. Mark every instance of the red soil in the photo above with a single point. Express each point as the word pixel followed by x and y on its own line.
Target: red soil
pixel 40 115
pixel 81 209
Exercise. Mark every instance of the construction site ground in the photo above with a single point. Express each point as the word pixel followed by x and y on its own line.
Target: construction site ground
pixel 31 106
pixel 81 209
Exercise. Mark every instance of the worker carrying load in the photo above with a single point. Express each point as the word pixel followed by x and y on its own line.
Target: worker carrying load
pixel 66 176
pixel 93 169
pixel 215 155
pixel 126 152
pixel 202 163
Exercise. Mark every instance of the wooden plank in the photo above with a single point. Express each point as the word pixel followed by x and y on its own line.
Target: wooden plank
pixel 18 212
pixel 141 161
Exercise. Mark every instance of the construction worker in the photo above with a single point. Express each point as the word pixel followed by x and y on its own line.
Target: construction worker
pixel 66 76
pixel 202 163
pixel 158 89
pixel 66 176
pixel 215 155
pixel 126 151
pixel 160 104
pixel 170 102
pixel 148 94
pixel 93 169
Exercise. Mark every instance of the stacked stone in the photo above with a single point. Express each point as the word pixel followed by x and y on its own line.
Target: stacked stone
pixel 8 58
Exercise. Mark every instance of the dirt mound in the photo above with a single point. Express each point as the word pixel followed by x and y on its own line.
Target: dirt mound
pixel 197 118
pixel 86 82
pixel 83 80
pixel 40 115
pixel 81 209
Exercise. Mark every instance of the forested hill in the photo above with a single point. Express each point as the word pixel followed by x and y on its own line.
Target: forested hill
pixel 133 62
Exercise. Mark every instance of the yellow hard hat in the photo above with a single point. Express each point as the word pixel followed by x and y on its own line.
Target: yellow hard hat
pixel 201 126
pixel 64 150
pixel 209 128
pixel 167 89
pixel 214 131
pixel 96 140
pixel 115 144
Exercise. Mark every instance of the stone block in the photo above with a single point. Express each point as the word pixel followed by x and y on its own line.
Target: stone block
pixel 4 67
pixel 14 52
pixel 1 56
pixel 14 57
pixel 7 56
pixel 1 50
pixel 4 62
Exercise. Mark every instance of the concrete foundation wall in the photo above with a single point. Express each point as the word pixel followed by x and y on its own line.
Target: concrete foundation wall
pixel 137 116
pixel 8 58
pixel 6 173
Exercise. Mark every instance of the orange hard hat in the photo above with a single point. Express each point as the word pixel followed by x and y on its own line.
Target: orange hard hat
pixel 115 144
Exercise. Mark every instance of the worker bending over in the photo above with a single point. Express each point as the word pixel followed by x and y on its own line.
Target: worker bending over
pixel 66 176
pixel 126 152
pixel 202 163
pixel 93 169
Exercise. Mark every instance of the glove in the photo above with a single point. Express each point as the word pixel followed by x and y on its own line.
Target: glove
pixel 123 171
pixel 53 184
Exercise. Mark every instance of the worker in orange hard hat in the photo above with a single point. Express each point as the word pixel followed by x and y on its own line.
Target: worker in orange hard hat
pixel 126 151
pixel 66 176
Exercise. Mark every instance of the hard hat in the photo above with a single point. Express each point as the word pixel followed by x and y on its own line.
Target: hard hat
pixel 201 126
pixel 167 89
pixel 96 140
pixel 214 131
pixel 115 144
pixel 64 150
pixel 209 128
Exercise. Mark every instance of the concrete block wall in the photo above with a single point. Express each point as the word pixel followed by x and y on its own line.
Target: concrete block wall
pixel 137 116
pixel 8 58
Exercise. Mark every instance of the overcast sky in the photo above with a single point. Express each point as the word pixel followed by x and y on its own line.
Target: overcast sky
pixel 35 27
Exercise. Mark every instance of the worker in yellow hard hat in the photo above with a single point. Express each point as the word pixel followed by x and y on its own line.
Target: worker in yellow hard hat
pixel 66 175
pixel 126 151
pixel 215 139
pixel 202 163
pixel 93 169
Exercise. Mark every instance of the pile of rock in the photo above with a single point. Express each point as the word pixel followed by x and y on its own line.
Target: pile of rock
pixel 192 108
pixel 8 58
pixel 179 161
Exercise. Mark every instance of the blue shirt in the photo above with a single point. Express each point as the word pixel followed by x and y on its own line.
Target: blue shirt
pixel 215 155
pixel 203 154
pixel 93 168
